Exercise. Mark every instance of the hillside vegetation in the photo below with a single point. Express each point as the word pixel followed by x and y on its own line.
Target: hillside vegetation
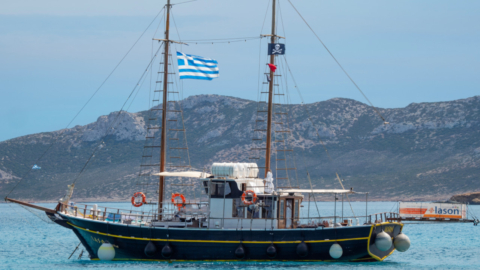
pixel 428 151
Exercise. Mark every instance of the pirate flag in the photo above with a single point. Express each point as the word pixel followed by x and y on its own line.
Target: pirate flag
pixel 276 49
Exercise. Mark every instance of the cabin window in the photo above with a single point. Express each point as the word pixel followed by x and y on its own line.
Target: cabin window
pixel 237 208
pixel 267 209
pixel 282 209
pixel 244 187
pixel 219 189
pixel 205 185
pixel 227 189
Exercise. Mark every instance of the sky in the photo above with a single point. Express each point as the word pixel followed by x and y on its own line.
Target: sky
pixel 54 54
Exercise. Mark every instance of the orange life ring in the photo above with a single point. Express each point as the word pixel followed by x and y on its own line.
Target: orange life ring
pixel 138 204
pixel 245 193
pixel 179 205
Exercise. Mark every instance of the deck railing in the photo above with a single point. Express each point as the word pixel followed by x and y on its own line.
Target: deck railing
pixel 111 214
pixel 382 217
pixel 195 214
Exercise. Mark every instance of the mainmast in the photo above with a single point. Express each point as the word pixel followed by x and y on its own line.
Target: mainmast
pixel 163 145
pixel 270 97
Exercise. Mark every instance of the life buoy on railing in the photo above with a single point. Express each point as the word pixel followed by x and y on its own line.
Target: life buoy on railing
pixel 136 195
pixel 179 205
pixel 245 194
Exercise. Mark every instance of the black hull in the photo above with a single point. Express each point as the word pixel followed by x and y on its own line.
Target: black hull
pixel 219 245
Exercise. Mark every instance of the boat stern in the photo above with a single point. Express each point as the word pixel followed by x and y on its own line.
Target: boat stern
pixel 381 242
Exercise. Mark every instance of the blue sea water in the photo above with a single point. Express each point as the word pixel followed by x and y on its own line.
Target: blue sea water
pixel 27 242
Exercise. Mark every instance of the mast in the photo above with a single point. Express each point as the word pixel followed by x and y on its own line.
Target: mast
pixel 163 145
pixel 270 98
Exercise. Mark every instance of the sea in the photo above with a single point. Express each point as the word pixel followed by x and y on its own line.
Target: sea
pixel 27 241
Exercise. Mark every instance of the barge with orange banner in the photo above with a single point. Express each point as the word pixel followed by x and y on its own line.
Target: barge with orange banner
pixel 434 211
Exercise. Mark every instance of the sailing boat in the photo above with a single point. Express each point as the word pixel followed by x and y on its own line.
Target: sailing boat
pixel 245 219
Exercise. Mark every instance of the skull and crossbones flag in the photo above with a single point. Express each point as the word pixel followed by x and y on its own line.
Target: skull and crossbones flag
pixel 196 67
pixel 276 49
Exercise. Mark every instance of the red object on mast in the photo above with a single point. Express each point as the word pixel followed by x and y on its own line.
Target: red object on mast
pixel 272 67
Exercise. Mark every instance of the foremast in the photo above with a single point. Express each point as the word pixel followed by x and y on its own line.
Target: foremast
pixel 163 143
pixel 268 151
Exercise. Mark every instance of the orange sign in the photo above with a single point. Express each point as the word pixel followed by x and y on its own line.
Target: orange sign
pixel 433 210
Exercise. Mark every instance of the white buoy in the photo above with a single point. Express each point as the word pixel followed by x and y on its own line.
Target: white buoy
pixel 106 252
pixel 401 242
pixel 383 241
pixel 336 251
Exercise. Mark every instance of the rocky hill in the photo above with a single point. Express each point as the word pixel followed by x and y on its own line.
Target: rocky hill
pixel 428 151
pixel 470 198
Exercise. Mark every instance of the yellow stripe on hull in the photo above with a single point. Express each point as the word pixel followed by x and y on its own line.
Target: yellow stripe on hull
pixel 215 241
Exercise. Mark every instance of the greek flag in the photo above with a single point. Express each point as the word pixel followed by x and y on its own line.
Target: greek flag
pixel 196 67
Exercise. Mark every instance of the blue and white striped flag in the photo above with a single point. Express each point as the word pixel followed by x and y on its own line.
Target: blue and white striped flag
pixel 196 67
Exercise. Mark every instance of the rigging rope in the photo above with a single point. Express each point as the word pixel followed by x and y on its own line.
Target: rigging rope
pixel 254 151
pixel 180 89
pixel 175 25
pixel 40 215
pixel 338 63
pixel 34 227
pixel 220 39
pixel 265 18
pixel 183 2
pixel 117 116
pixel 316 130
pixel 83 107
pixel 226 41
pixel 314 197
pixel 151 55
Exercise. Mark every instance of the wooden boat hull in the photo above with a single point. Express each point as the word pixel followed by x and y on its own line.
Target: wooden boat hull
pixel 191 244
